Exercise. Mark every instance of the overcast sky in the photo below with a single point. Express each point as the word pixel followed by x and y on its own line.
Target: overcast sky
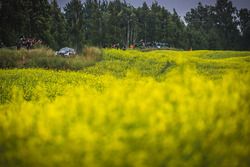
pixel 181 6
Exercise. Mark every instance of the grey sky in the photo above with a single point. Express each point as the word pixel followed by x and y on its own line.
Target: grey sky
pixel 181 6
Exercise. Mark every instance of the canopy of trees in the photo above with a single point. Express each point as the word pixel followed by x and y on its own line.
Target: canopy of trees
pixel 103 23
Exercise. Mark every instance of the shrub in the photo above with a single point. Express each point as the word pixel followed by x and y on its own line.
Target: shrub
pixel 9 58
pixel 93 54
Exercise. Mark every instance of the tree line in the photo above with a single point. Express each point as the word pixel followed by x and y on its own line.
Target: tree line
pixel 103 23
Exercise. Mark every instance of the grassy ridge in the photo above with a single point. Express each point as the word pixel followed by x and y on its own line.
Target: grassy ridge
pixel 160 108
pixel 46 58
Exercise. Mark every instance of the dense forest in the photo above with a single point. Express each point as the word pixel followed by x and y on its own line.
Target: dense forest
pixel 103 23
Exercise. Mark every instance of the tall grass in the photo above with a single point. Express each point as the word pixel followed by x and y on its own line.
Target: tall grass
pixel 46 58
pixel 92 54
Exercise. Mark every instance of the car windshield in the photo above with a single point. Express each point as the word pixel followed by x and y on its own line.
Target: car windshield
pixel 65 49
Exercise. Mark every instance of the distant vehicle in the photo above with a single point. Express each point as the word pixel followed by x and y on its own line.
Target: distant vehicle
pixel 157 45
pixel 66 52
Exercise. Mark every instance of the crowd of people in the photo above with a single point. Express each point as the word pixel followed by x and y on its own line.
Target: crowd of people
pixel 27 43
pixel 30 43
pixel 141 44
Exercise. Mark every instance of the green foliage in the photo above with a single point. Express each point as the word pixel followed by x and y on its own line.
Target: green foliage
pixel 214 27
pixel 74 17
pixel 244 16
pixel 104 23
pixel 58 27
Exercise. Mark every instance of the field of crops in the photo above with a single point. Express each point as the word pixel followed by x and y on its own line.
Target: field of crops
pixel 155 109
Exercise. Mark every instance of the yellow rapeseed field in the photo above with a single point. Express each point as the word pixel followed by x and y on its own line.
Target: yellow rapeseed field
pixel 132 109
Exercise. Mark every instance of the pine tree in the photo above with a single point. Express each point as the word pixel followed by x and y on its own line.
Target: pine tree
pixel 14 21
pixel 244 16
pixel 143 22
pixel 74 16
pixel 39 21
pixel 58 26
pixel 155 22
pixel 93 23
pixel 226 23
